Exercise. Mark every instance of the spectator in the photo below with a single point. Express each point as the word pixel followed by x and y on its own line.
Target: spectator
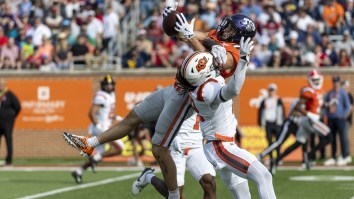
pixel 3 38
pixel 110 25
pixel 62 56
pixel 39 31
pixel 94 29
pixel 333 16
pixel 322 58
pixel 252 7
pixel 12 53
pixel 47 65
pixel 302 20
pixel 25 8
pixel 209 16
pixel 10 107
pixel 263 54
pixel 146 44
pixel 12 31
pixel 349 118
pixel 79 50
pixel 135 58
pixel 269 13
pixel 344 59
pixel 346 43
pixel 27 50
pixel 71 7
pixel 338 109
pixel 271 115
pixel 349 16
pixel 54 21
pixel 45 49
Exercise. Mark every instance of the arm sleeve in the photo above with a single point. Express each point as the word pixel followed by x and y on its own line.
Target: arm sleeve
pixel 233 88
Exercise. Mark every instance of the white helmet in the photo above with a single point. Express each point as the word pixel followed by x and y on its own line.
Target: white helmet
pixel 198 67
pixel 315 79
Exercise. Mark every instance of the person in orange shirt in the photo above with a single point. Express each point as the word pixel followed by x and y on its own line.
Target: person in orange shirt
pixel 333 16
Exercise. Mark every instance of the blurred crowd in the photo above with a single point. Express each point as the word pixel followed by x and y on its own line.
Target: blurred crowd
pixel 49 34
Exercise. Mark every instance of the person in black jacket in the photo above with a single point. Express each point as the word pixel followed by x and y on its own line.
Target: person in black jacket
pixel 271 115
pixel 9 109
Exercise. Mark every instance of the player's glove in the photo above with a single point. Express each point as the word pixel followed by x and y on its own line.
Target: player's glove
pixel 100 127
pixel 184 27
pixel 176 145
pixel 246 48
pixel 219 52
pixel 171 5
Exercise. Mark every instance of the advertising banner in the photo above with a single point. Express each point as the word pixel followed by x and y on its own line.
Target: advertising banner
pixel 52 103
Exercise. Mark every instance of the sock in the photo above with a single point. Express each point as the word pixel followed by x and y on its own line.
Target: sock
pixel 173 194
pixel 93 142
pixel 97 157
pixel 149 176
pixel 80 171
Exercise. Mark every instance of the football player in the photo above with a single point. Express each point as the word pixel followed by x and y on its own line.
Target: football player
pixel 102 116
pixel 186 150
pixel 211 98
pixel 309 105
pixel 166 106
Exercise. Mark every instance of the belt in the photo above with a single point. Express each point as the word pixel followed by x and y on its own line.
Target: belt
pixel 222 138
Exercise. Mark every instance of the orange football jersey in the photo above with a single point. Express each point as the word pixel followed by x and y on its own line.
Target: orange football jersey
pixel 314 99
pixel 230 47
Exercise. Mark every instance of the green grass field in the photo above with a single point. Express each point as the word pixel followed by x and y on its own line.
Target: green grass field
pixel 116 184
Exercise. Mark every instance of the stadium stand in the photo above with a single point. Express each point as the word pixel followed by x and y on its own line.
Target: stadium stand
pixel 51 35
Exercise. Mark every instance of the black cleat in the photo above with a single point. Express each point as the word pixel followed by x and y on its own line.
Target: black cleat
pixel 77 177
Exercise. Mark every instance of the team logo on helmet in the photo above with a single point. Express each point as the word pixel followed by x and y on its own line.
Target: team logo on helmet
pixel 201 64
pixel 249 24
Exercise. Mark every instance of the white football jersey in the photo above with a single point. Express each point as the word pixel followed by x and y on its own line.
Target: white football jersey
pixel 190 135
pixel 216 118
pixel 107 112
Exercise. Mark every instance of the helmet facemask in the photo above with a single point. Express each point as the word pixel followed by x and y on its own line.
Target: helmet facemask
pixel 316 82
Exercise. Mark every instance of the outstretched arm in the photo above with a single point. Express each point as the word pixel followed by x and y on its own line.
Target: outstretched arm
pixel 235 84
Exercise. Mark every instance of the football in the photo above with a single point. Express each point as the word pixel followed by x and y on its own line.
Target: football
pixel 169 22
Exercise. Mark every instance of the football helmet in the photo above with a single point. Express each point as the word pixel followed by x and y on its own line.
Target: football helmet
pixel 231 29
pixel 315 79
pixel 197 67
pixel 107 84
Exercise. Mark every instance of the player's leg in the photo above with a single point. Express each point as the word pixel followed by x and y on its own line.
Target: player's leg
pixel 202 170
pixel 286 130
pixel 175 111
pixel 243 164
pixel 148 110
pixel 269 136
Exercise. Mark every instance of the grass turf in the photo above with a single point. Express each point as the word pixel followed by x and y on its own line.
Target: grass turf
pixel 16 184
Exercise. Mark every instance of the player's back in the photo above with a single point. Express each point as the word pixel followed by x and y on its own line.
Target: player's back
pixel 217 119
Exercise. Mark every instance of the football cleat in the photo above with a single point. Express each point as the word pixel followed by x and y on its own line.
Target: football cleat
pixel 77 177
pixel 141 182
pixel 78 142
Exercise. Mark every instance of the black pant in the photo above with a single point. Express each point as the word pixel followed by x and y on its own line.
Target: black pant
pixel 339 125
pixel 6 128
pixel 272 130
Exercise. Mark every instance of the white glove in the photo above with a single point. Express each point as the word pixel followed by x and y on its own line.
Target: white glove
pixel 184 27
pixel 246 48
pixel 170 6
pixel 100 127
pixel 219 52
pixel 176 145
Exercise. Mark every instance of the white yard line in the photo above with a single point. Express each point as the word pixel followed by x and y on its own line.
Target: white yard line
pixel 83 186
pixel 31 169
